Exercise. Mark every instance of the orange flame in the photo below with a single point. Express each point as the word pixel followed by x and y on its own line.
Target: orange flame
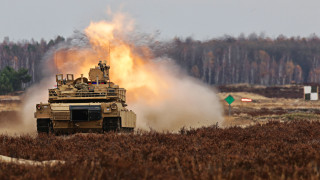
pixel 128 69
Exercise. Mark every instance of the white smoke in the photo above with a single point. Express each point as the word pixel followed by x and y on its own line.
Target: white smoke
pixel 36 94
pixel 22 121
pixel 187 103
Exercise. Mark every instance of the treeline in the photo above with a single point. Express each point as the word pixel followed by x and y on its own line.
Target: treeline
pixel 253 59
pixel 25 54
pixel 11 80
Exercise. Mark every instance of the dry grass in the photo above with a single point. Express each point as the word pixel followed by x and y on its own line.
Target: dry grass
pixel 264 109
pixel 270 151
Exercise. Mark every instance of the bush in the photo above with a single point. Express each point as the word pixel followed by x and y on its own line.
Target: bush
pixel 11 80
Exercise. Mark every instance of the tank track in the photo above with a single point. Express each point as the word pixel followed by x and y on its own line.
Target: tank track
pixel 44 126
pixel 114 124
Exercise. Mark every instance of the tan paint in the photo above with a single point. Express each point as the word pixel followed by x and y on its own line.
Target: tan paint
pixel 77 125
pixel 128 119
pixel 73 92
pixel 44 112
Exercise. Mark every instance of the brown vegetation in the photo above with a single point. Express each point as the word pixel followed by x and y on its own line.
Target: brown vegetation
pixel 271 151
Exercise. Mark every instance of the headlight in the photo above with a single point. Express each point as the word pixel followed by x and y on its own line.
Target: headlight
pixel 38 106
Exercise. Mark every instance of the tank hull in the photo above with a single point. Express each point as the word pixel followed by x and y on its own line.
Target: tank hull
pixel 62 118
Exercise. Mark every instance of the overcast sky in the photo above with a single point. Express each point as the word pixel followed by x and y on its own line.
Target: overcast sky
pixel 201 19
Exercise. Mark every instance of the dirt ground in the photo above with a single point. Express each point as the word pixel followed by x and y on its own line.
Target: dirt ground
pixel 267 105
pixel 9 114
pixel 9 105
pixel 279 103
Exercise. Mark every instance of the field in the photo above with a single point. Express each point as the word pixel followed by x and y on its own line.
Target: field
pixel 283 103
pixel 269 138
pixel 271 151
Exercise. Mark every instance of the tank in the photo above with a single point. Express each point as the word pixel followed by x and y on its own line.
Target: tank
pixel 92 104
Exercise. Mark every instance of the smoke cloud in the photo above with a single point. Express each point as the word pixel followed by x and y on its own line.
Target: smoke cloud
pixel 186 102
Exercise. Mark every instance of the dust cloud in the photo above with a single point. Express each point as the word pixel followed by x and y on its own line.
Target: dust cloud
pixel 185 103
pixel 21 121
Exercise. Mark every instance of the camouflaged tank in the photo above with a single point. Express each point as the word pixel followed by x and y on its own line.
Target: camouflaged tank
pixel 91 104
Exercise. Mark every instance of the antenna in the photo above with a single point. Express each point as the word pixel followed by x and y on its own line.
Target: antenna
pixel 109 49
pixel 55 63
pixel 109 54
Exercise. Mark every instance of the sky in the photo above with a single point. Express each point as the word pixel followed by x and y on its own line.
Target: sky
pixel 199 19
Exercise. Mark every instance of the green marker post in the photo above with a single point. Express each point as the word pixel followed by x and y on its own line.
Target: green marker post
pixel 229 100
